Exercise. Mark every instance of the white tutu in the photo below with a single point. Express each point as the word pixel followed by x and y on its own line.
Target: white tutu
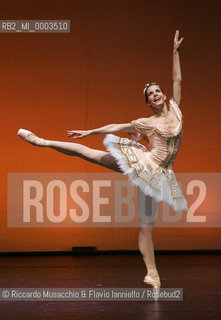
pixel 155 181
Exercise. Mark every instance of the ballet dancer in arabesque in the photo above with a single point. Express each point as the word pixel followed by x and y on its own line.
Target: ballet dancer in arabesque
pixel 151 170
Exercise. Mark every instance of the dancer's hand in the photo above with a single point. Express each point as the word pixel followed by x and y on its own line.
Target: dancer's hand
pixel 177 42
pixel 77 134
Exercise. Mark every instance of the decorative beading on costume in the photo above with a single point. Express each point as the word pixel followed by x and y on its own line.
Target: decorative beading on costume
pixel 150 129
pixel 172 151
pixel 151 170
pixel 151 176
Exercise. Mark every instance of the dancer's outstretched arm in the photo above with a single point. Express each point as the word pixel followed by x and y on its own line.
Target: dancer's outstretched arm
pixel 177 78
pixel 110 128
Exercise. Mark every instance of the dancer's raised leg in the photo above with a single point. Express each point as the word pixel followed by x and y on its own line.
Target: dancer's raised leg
pixel 100 157
pixel 148 208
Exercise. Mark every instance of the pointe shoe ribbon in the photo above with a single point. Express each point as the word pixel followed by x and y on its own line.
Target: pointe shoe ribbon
pixel 31 137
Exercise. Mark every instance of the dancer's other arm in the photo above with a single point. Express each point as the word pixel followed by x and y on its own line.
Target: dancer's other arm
pixel 177 78
pixel 110 128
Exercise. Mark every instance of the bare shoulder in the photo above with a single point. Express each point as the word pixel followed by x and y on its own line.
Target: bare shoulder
pixel 147 121
pixel 175 107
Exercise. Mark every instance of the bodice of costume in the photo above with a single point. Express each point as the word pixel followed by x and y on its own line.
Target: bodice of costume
pixel 163 143
pixel 151 170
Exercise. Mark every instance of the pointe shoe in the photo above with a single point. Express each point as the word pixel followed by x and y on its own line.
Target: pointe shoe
pixel 155 283
pixel 31 138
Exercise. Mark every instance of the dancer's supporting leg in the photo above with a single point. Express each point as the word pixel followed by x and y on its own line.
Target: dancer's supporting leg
pixel 100 157
pixel 147 213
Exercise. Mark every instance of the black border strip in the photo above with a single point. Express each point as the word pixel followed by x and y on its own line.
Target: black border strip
pixel 94 251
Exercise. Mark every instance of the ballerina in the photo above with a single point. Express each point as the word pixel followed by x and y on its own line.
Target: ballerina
pixel 151 170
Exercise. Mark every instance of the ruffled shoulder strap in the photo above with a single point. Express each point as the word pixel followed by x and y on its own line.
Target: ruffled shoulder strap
pixel 140 126
pixel 176 108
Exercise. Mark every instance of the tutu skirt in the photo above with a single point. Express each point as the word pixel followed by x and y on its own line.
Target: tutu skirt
pixel 152 179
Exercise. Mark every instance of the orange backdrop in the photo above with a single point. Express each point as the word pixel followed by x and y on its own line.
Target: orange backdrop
pixel 95 75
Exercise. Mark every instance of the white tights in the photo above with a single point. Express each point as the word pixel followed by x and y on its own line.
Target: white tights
pixel 100 157
pixel 147 205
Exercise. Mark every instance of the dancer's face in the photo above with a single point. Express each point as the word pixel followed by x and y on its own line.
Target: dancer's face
pixel 155 96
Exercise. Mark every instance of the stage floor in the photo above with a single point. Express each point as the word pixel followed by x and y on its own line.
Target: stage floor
pixel 198 274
